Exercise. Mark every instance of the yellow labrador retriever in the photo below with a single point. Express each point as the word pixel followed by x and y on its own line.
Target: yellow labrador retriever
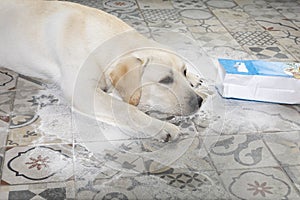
pixel 90 54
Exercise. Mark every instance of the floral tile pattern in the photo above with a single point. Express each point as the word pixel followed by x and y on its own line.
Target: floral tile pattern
pixel 34 164
pixel 268 183
pixel 230 149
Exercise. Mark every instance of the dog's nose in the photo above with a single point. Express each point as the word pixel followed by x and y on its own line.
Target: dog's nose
pixel 199 99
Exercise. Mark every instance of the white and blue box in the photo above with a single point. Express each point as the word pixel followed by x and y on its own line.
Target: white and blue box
pixel 257 80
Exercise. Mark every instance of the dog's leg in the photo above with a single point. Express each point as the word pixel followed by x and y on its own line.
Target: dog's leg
pixel 106 108
pixel 130 116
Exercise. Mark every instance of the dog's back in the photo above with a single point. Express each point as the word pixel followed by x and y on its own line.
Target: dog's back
pixel 34 34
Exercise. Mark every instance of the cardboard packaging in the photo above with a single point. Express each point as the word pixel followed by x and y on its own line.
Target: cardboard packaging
pixel 277 82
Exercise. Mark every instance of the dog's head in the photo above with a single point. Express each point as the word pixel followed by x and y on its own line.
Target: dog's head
pixel 155 81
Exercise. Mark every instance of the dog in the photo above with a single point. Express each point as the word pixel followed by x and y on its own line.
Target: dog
pixel 91 55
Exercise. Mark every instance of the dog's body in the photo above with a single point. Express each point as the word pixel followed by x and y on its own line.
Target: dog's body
pixel 58 41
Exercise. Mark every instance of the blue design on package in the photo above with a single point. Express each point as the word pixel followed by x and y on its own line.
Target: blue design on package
pixel 259 67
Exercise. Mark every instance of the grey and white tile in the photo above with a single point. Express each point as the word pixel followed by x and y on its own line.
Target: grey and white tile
pixel 239 152
pixel 6 103
pixel 235 20
pixel 285 146
pixel 162 17
pixel 290 40
pixel 219 4
pixel 201 20
pixel 32 101
pixel 265 183
pixel 8 79
pixel 154 4
pixel 291 14
pixel 125 5
pixel 251 38
pixel 294 174
pixel 180 184
pixel 247 5
pixel 273 53
pixel 91 3
pixel 37 164
pixel 59 191
pixel 140 156
pixel 245 117
pixel 188 4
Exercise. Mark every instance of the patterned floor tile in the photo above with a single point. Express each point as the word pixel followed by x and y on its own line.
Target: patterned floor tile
pixel 1 160
pixel 217 4
pixel 170 185
pixel 290 40
pixel 196 14
pixel 201 20
pixel 215 39
pixel 162 17
pixel 28 129
pixel 91 3
pixel 276 25
pixel 274 52
pixel 260 38
pixel 140 156
pixel 209 25
pixel 34 100
pixel 238 152
pixel 252 4
pixel 28 83
pixel 110 163
pixel 294 174
pixel 59 191
pixel 139 25
pixel 235 20
pixel 37 164
pixel 245 118
pixel 220 45
pixel 154 4
pixel 268 183
pixel 285 146
pixel 269 13
pixel 283 4
pixel 127 15
pixel 120 4
pixel 3 136
pixel 188 4
pixel 8 79
pixel 6 103
pixel 291 14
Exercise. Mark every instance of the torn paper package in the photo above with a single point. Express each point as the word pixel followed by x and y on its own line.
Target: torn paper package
pixel 277 82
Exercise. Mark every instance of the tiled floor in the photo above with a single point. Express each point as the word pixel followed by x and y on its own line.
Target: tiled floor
pixel 230 150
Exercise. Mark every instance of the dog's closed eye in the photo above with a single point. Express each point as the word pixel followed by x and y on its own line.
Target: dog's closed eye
pixel 184 72
pixel 167 80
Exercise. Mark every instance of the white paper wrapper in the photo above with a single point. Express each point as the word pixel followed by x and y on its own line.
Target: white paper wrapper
pixel 256 80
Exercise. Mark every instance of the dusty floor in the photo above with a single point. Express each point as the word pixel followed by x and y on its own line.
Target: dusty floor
pixel 232 150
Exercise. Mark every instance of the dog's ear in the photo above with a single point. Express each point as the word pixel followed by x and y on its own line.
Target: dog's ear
pixel 126 78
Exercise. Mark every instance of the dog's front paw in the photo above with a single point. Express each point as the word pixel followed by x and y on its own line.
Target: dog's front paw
pixel 170 132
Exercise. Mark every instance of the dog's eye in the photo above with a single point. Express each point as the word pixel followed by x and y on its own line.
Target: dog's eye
pixel 184 72
pixel 167 80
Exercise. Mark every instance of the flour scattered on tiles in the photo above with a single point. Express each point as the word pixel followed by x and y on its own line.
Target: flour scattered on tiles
pixel 55 117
